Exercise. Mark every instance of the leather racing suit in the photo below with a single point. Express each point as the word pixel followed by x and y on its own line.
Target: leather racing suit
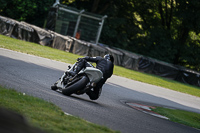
pixel 106 66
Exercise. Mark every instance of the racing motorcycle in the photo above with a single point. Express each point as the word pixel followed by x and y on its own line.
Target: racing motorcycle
pixel 85 80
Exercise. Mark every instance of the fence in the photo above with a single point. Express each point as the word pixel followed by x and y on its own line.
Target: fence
pixel 79 24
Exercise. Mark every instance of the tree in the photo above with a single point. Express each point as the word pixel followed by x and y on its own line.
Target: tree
pixel 31 11
pixel 167 30
pixel 166 27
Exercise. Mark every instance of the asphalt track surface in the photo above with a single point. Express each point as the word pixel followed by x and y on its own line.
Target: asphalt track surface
pixel 34 75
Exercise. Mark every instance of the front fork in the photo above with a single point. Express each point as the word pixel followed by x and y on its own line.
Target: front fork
pixel 59 83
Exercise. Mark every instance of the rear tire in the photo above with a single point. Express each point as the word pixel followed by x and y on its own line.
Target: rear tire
pixel 80 84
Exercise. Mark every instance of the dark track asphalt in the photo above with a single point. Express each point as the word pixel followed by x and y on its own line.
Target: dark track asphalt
pixel 34 76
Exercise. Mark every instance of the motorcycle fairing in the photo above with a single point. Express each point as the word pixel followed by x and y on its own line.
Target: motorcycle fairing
pixel 94 75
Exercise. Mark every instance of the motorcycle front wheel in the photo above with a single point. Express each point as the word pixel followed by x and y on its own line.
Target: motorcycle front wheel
pixel 75 86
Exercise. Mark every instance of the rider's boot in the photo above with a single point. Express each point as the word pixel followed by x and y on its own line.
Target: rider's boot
pixel 76 71
pixel 79 66
pixel 72 73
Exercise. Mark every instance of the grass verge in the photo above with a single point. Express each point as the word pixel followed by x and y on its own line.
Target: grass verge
pixel 45 115
pixel 180 116
pixel 54 54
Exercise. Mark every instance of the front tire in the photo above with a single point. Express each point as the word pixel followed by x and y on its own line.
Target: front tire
pixel 78 85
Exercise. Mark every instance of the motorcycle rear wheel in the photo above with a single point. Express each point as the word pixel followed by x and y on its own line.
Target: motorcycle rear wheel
pixel 76 86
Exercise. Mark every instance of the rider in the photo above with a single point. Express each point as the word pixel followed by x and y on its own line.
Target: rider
pixel 104 64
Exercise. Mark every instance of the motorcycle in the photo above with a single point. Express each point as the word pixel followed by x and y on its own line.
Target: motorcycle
pixel 85 80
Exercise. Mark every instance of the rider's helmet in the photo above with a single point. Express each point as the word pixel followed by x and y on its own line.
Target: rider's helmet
pixel 109 57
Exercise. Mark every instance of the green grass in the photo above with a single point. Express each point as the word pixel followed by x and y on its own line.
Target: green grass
pixel 60 122
pixel 36 49
pixel 54 54
pixel 180 116
pixel 158 81
pixel 45 115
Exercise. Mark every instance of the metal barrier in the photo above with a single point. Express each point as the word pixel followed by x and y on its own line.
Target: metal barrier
pixel 79 24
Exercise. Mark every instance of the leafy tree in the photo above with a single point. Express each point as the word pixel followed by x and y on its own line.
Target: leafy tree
pixel 167 30
pixel 157 28
pixel 31 11
pixel 161 29
pixel 167 24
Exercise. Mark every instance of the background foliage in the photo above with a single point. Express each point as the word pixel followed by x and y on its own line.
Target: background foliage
pixel 167 30
pixel 31 11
